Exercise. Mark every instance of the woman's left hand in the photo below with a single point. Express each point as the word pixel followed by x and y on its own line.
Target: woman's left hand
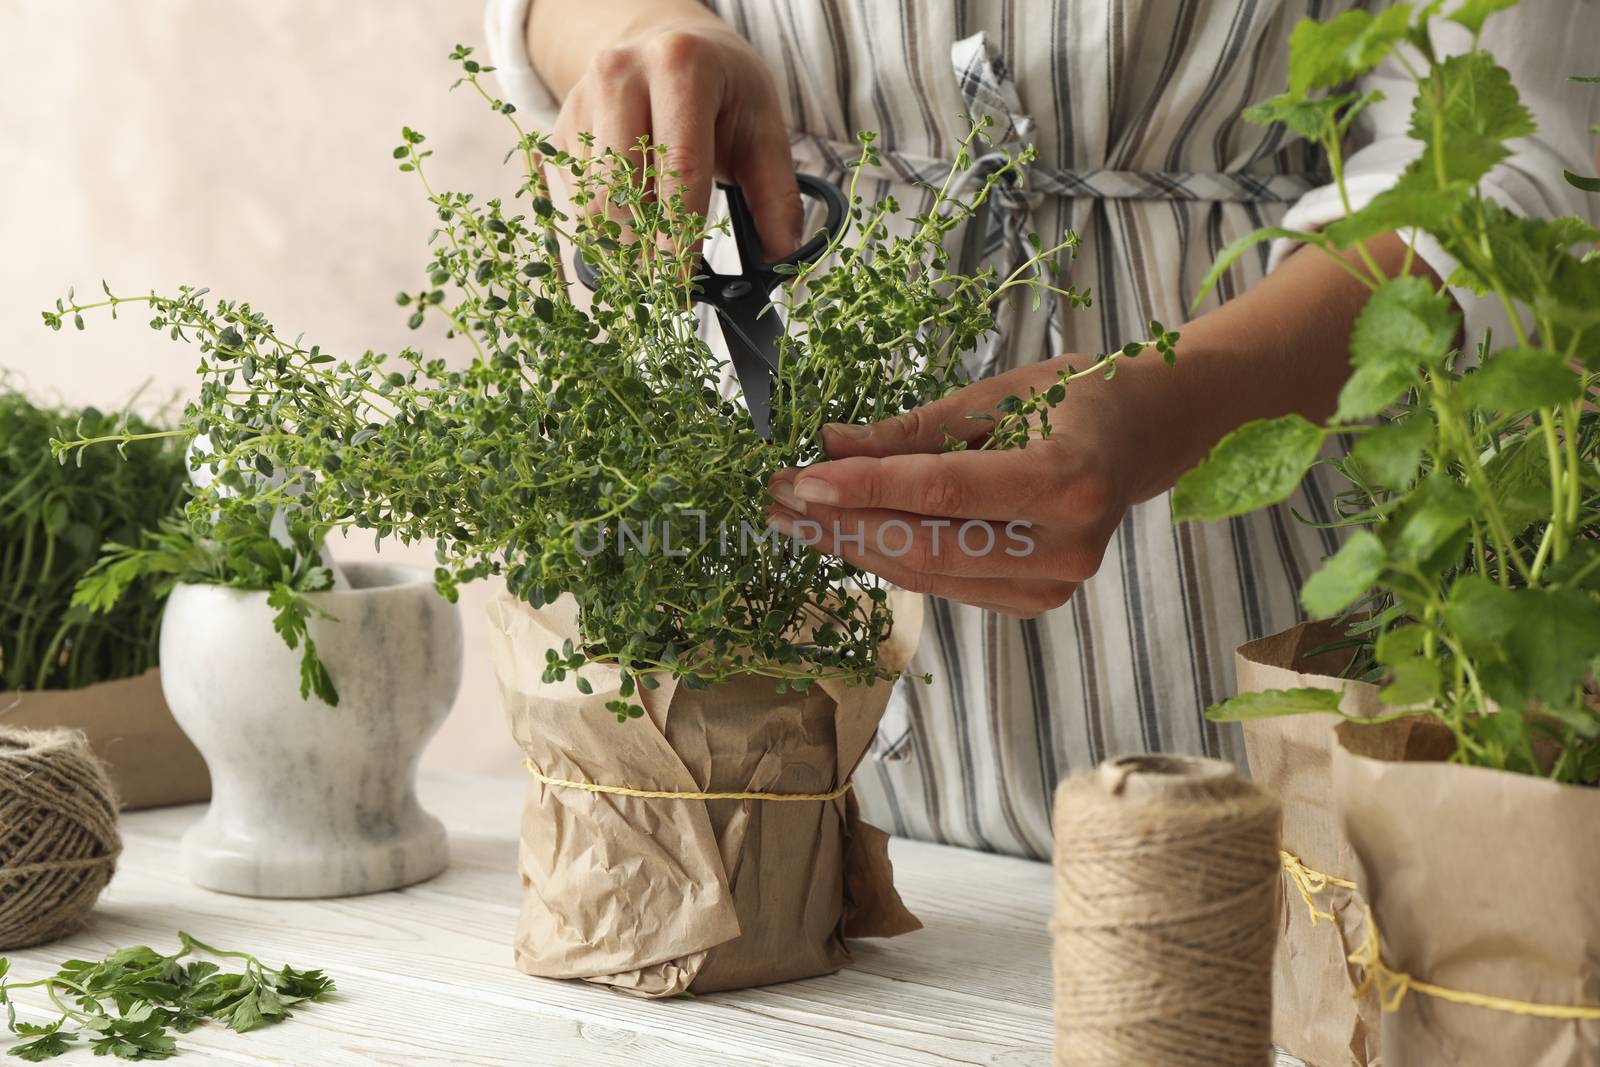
pixel 1014 531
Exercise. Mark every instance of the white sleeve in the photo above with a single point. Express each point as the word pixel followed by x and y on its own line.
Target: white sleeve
pixel 505 25
pixel 1541 44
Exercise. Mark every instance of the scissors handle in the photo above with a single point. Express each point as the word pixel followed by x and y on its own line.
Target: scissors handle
pixel 747 238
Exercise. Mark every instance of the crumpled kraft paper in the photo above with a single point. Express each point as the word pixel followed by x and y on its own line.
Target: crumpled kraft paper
pixel 1481 881
pixel 153 763
pixel 1315 1014
pixel 657 896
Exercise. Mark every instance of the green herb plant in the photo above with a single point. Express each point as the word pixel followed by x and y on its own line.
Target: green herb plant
pixel 53 521
pixel 586 446
pixel 237 550
pixel 131 1003
pixel 1473 572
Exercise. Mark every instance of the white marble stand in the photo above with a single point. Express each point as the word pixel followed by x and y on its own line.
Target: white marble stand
pixel 310 800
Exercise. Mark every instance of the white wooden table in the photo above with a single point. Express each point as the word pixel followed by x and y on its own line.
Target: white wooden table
pixel 425 973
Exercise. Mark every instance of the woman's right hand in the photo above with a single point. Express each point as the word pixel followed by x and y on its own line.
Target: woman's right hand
pixel 677 73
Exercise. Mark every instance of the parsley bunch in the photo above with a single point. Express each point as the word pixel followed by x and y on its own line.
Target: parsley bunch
pixel 587 448
pixel 130 1004
pixel 236 550
pixel 1476 501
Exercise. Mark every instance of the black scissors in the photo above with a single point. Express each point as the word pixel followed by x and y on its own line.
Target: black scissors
pixel 750 326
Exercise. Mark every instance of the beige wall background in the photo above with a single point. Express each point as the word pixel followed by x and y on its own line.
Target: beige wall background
pixel 244 145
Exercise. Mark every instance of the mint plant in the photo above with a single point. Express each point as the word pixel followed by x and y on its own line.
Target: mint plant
pixel 586 448
pixel 1475 499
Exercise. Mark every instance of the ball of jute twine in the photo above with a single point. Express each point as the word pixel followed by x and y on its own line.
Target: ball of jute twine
pixel 58 833
pixel 1167 881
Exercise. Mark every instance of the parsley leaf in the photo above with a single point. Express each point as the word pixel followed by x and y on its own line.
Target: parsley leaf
pixel 130 1003
pixel 48 1041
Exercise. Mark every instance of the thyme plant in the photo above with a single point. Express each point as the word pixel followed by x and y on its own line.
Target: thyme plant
pixel 1475 503
pixel 586 447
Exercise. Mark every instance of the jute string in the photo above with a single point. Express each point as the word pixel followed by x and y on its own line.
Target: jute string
pixel 675 794
pixel 1166 913
pixel 1393 985
pixel 58 834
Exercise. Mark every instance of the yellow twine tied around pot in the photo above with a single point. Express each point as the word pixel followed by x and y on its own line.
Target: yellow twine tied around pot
pixel 675 794
pixel 1393 985
pixel 1310 883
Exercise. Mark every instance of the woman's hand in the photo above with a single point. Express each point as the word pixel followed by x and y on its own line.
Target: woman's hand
pixel 1282 346
pixel 672 70
pixel 1013 531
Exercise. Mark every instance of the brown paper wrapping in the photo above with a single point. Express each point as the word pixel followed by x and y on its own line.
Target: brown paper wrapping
pixel 1315 1014
pixel 153 762
pixel 1481 881
pixel 658 896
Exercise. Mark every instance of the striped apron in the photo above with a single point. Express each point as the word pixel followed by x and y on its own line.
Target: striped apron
pixel 1133 106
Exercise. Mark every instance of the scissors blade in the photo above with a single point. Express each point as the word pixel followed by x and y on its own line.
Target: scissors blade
pixel 752 337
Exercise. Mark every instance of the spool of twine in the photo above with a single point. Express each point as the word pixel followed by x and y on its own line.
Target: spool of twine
pixel 58 833
pixel 1166 916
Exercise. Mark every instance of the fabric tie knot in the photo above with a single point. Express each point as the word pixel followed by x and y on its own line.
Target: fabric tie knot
pixel 991 101
pixel 987 90
pixel 998 230
pixel 1013 193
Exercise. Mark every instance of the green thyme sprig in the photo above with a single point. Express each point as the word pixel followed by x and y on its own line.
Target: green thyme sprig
pixel 131 1003
pixel 1019 419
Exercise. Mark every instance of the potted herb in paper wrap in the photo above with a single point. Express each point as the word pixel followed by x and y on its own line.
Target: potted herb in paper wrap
pixel 1465 777
pixel 655 637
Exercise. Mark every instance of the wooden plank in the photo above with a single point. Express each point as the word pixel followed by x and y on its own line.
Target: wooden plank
pixel 425 973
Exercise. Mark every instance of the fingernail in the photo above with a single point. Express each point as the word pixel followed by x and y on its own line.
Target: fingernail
pixel 783 493
pixel 849 431
pixel 815 490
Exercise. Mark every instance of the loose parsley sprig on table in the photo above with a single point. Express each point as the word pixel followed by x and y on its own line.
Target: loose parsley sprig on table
pixel 1477 502
pixel 578 415
pixel 130 1003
